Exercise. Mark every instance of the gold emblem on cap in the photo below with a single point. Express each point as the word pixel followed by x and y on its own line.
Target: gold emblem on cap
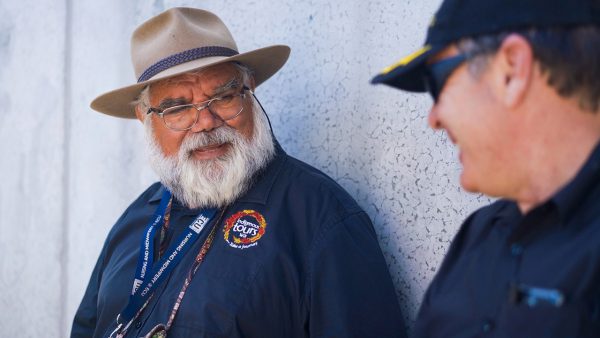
pixel 406 60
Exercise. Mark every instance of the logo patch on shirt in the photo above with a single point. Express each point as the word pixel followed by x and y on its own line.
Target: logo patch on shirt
pixel 244 228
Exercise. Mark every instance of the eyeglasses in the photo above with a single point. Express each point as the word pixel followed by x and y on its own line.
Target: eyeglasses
pixel 185 116
pixel 436 74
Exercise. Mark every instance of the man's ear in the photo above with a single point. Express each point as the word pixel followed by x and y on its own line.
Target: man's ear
pixel 514 63
pixel 252 83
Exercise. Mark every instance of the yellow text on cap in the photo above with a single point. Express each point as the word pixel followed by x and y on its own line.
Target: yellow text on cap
pixel 406 60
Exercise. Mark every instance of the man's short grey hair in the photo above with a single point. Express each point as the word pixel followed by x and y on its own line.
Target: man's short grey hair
pixel 568 55
pixel 143 100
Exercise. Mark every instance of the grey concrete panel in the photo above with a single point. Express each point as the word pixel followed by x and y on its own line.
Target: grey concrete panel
pixel 32 49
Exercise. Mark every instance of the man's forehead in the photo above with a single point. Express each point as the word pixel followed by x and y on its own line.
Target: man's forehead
pixel 214 79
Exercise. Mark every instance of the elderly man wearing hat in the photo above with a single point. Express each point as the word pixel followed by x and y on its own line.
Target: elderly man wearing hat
pixel 238 239
pixel 516 85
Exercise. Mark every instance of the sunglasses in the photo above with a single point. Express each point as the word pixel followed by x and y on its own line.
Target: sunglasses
pixel 436 74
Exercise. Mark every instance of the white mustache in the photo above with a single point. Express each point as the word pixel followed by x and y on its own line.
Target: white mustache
pixel 221 135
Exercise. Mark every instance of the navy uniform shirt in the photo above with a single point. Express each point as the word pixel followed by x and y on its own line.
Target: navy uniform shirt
pixel 511 275
pixel 316 271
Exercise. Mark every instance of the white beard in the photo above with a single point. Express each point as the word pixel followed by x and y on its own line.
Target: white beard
pixel 216 182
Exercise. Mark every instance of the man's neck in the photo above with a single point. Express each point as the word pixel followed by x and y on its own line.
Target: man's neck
pixel 556 157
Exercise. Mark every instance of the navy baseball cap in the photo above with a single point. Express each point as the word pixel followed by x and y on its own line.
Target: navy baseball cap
pixel 457 19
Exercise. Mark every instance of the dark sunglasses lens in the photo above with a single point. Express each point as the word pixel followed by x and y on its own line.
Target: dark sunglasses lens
pixel 438 73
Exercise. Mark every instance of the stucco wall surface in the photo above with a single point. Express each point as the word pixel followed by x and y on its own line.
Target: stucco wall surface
pixel 70 172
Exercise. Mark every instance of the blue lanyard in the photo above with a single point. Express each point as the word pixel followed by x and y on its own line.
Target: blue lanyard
pixel 146 255
pixel 148 275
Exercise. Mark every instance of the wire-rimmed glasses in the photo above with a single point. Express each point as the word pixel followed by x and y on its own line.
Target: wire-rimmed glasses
pixel 185 116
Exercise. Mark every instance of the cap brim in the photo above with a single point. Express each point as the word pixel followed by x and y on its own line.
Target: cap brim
pixel 408 73
pixel 264 62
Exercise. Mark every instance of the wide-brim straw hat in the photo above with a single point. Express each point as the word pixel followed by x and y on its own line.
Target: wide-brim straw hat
pixel 178 41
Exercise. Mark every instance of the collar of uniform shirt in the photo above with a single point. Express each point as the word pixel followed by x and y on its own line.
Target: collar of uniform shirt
pixel 572 196
pixel 259 192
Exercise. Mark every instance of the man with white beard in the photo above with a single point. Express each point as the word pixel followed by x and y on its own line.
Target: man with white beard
pixel 238 239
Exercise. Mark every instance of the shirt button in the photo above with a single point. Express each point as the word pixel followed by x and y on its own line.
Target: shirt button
pixel 487 326
pixel 516 249
pixel 138 324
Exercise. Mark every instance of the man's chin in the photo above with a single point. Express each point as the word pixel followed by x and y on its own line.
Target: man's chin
pixel 211 169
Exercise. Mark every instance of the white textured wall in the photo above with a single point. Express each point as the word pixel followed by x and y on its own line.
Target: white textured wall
pixel 69 172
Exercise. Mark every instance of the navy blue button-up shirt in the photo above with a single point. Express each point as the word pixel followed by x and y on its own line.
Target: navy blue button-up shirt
pixel 314 270
pixel 511 275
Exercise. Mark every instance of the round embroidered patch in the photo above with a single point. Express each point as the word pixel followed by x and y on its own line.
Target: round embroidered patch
pixel 244 228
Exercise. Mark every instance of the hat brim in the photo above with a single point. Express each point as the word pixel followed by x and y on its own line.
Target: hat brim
pixel 264 63
pixel 408 73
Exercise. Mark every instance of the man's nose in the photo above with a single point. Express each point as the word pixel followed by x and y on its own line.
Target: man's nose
pixel 206 121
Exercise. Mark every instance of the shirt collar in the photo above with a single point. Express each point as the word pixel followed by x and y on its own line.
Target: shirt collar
pixel 571 196
pixel 262 182
pixel 157 194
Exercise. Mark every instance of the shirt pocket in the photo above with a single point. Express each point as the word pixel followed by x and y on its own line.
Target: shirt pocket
pixel 213 299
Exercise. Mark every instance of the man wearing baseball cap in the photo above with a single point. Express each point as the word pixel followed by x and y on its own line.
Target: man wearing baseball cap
pixel 237 239
pixel 516 85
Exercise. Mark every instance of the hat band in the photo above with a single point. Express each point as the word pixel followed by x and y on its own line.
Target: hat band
pixel 185 56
